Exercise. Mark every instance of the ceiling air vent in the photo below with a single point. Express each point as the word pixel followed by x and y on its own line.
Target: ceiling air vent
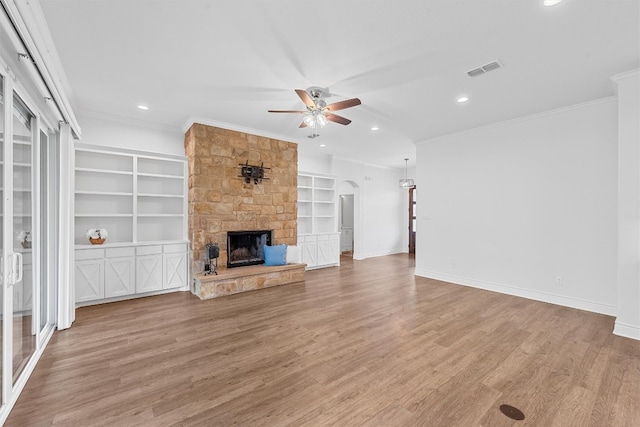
pixel 485 68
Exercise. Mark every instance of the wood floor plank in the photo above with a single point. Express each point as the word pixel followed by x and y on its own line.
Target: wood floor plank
pixel 364 344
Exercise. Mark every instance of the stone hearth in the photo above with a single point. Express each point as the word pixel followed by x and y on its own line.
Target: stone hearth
pixel 243 279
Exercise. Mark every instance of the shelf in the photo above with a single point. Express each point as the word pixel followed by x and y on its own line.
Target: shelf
pixel 156 175
pixel 103 193
pixel 173 196
pixel 128 244
pixel 162 168
pixel 103 215
pixel 105 171
pixel 137 197
pixel 317 211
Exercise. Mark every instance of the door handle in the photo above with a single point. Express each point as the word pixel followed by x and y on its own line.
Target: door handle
pixel 19 267
pixel 13 264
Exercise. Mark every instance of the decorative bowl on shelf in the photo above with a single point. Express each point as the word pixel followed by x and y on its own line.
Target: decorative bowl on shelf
pixel 25 239
pixel 97 236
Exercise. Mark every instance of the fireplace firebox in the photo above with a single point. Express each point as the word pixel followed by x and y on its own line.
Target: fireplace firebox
pixel 247 247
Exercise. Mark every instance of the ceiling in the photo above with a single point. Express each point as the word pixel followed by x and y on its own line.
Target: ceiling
pixel 228 62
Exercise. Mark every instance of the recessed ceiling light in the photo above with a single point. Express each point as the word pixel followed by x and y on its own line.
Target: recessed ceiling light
pixel 375 128
pixel 323 145
pixel 462 99
pixel 143 107
pixel 551 2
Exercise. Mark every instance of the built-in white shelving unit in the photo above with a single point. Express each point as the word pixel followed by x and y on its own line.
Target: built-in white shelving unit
pixel 141 199
pixel 318 234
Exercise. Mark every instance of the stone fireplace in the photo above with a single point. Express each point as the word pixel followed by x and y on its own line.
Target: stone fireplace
pixel 221 200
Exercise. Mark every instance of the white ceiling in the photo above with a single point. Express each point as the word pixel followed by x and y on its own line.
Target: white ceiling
pixel 228 62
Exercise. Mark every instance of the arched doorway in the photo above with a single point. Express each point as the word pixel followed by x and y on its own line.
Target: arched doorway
pixel 348 217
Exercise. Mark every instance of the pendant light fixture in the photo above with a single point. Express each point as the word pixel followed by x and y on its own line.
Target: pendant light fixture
pixel 406 182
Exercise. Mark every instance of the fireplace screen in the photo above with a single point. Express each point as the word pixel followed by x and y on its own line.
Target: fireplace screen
pixel 246 247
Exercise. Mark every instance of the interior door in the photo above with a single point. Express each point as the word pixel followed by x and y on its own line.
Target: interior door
pixel 346 223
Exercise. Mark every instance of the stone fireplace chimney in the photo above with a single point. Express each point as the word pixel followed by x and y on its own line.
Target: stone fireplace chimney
pixel 220 200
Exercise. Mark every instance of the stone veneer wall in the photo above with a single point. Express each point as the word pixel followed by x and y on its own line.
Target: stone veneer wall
pixel 221 201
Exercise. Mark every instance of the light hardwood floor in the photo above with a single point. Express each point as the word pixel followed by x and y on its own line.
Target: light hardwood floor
pixel 364 344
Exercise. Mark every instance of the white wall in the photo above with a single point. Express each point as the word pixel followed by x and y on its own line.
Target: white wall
pixel 112 132
pixel 628 315
pixel 516 206
pixel 381 218
pixel 315 164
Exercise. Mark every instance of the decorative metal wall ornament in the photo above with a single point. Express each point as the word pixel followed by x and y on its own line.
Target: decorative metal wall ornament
pixel 252 172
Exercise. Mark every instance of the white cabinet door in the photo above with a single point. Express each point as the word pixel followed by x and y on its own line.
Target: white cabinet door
pixel 148 273
pixel 328 250
pixel 118 277
pixel 89 278
pixel 309 251
pixel 175 270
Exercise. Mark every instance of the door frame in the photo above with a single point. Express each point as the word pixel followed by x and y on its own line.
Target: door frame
pixel 412 219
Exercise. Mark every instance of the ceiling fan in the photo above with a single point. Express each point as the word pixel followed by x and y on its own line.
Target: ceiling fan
pixel 318 113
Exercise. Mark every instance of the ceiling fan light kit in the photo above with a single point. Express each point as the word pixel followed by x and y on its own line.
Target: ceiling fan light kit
pixel 318 113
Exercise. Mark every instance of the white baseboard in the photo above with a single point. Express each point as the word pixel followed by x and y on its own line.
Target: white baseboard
pixel 562 300
pixel 361 256
pixel 627 331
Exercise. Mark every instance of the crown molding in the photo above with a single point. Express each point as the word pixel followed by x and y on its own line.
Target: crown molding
pixel 522 119
pixel 627 74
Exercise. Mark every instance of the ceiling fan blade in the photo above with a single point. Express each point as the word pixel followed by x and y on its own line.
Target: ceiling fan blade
pixel 338 119
pixel 286 111
pixel 303 125
pixel 341 105
pixel 306 98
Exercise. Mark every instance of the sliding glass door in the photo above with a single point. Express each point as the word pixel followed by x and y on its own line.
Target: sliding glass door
pixel 24 327
pixel 28 212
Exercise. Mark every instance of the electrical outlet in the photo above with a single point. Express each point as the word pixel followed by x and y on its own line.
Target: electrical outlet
pixel 558 280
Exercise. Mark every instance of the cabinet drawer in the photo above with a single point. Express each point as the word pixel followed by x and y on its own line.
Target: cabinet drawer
pixel 89 254
pixel 323 237
pixel 148 250
pixel 119 252
pixel 174 249
pixel 310 239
